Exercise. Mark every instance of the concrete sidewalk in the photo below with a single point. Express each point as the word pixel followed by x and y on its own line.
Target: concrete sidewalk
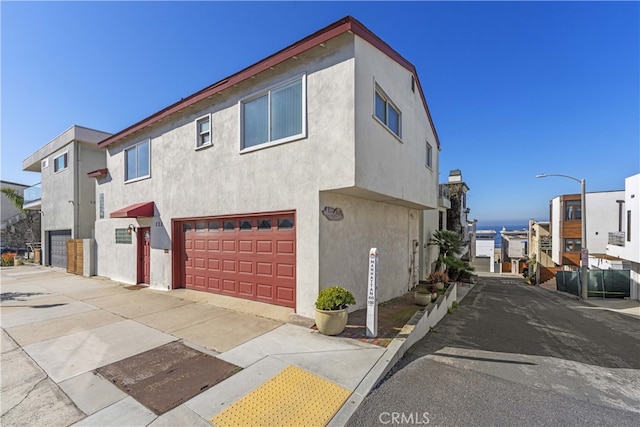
pixel 59 329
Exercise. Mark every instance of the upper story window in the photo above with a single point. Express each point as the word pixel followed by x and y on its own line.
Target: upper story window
pixel 387 112
pixel 429 162
pixel 137 161
pixel 60 162
pixel 572 210
pixel 274 116
pixel 203 131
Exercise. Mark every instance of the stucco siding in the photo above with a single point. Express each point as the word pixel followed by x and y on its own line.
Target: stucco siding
pixel 344 246
pixel 90 159
pixel 220 180
pixel 602 218
pixel 385 164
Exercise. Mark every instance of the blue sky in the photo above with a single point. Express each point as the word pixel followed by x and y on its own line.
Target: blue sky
pixel 514 88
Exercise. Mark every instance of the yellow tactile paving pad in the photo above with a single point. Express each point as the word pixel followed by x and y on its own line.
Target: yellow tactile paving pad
pixel 293 397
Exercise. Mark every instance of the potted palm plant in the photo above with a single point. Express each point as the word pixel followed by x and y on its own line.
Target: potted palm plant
pixel 331 309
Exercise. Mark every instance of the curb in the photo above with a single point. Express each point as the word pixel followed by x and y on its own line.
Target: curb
pixel 416 328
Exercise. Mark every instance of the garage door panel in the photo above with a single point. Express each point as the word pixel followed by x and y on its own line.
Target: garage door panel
pixel 284 294
pixel 199 281
pixel 245 246
pixel 264 269
pixel 264 291
pixel 199 244
pixel 285 247
pixel 264 247
pixel 245 267
pixel 213 245
pixel 245 288
pixel 213 284
pixel 214 264
pixel 242 257
pixel 229 285
pixel 228 266
pixel 229 246
pixel 285 271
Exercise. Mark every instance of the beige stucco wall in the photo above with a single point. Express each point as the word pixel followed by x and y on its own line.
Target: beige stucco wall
pixel 345 244
pixel 220 180
pixel 384 163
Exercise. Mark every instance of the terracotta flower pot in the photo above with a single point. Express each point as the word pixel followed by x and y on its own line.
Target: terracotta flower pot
pixel 331 322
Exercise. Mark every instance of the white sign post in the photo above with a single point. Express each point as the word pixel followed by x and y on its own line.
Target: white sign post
pixel 372 297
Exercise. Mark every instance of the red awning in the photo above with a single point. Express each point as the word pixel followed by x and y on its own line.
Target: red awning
pixel 134 211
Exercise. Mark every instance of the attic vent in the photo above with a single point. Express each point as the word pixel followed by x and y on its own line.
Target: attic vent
pixel 45 163
pixel 413 84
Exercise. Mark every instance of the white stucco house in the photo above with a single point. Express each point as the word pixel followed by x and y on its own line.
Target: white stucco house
pixel 276 181
pixel 65 196
pixel 623 242
pixel 485 249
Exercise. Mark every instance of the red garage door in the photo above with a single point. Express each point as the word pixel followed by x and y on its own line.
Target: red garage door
pixel 248 257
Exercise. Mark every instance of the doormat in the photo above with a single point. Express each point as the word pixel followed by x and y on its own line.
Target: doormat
pixel 167 376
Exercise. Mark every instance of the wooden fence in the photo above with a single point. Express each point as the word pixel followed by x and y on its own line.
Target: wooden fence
pixel 75 256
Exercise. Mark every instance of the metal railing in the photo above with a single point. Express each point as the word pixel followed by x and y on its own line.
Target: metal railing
pixel 616 238
pixel 33 193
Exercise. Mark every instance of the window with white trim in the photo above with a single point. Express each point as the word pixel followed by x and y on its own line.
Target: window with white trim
pixel 203 131
pixel 274 116
pixel 387 112
pixel 137 161
pixel 60 162
pixel 429 162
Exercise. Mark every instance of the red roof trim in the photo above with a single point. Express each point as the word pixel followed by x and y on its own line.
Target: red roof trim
pixel 139 210
pixel 337 28
pixel 98 173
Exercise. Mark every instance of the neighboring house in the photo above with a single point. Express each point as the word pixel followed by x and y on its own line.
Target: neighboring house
pixel 432 220
pixel 457 215
pixel 65 196
pixel 276 181
pixel 566 225
pixel 623 243
pixel 514 249
pixel 485 247
pixel 540 249
pixel 18 228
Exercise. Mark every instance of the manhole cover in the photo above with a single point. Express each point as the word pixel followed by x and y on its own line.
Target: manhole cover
pixel 167 376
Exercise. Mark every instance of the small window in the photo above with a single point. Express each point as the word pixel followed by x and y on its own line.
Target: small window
pixel 201 226
pixel 628 226
pixel 214 225
pixel 137 161
pixel 245 225
pixel 387 113
pixel 45 163
pixel 186 227
pixel 572 245
pixel 572 210
pixel 285 223
pixel 229 226
pixel 123 236
pixel 203 131
pixel 429 163
pixel 264 224
pixel 101 205
pixel 60 162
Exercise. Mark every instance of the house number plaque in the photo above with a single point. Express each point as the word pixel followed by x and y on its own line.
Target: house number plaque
pixel 372 297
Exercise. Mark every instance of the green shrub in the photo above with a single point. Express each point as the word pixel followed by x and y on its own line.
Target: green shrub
pixel 334 298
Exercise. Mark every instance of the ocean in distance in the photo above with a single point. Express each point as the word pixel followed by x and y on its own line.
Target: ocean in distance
pixel 499 228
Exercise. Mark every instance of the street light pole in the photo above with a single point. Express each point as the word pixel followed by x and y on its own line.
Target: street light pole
pixel 584 252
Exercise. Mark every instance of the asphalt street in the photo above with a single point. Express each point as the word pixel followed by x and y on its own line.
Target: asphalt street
pixel 512 354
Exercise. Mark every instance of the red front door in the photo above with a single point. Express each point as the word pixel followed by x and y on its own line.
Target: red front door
pixel 144 255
